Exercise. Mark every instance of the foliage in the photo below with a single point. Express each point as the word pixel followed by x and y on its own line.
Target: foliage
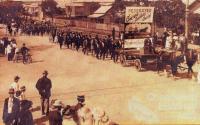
pixel 49 7
pixel 194 22
pixel 10 10
pixel 169 13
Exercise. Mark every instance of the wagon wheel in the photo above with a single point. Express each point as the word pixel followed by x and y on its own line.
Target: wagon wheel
pixel 29 59
pixel 123 59
pixel 17 59
pixel 138 64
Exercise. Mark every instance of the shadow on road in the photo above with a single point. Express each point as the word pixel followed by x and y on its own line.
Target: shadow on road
pixel 40 121
pixel 35 109
pixel 40 47
pixel 37 61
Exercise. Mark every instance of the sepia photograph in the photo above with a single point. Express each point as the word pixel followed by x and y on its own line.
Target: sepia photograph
pixel 99 62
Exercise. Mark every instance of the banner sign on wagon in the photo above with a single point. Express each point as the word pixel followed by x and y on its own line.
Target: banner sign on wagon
pixel 134 43
pixel 139 14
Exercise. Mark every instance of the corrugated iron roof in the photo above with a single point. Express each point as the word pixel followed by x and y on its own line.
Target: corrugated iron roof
pixel 100 12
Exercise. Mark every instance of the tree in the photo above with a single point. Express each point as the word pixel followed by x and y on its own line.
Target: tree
pixel 169 14
pixel 49 7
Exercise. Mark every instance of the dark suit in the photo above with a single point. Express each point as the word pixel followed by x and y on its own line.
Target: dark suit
pixel 44 85
pixel 55 118
pixel 8 118
pixel 25 117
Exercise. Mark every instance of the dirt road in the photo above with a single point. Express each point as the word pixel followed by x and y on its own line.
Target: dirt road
pixel 126 95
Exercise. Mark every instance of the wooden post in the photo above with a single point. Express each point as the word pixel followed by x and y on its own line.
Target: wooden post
pixel 186 20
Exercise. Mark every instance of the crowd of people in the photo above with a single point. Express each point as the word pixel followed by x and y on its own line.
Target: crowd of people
pixel 18 108
pixel 100 47
pixel 29 27
pixel 10 48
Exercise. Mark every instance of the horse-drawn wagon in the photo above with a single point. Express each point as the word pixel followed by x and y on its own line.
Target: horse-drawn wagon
pixel 138 58
pixel 137 44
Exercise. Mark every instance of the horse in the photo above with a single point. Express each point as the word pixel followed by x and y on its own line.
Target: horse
pixel 175 61
pixel 191 58
pixel 171 60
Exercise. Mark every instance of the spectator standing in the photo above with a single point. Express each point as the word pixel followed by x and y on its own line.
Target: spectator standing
pixel 24 51
pixel 55 116
pixel 25 115
pixel 11 109
pixel 8 52
pixel 43 86
pixel 15 84
pixel 22 95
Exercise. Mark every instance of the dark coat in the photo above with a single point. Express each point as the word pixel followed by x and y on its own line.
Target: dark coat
pixel 25 115
pixel 55 118
pixel 9 118
pixel 44 85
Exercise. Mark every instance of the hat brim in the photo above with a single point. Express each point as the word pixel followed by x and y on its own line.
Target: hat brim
pixel 17 78
pixel 57 105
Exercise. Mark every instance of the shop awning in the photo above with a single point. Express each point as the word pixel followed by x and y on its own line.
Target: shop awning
pixel 100 12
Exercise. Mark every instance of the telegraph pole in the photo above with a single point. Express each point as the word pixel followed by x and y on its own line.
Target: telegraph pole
pixel 186 19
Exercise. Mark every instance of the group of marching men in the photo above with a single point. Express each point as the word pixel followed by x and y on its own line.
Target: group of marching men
pixel 28 27
pixel 99 47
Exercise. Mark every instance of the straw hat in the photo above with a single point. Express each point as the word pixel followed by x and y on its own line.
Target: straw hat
pixel 58 103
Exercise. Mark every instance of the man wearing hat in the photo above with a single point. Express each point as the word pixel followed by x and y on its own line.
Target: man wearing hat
pixel 22 95
pixel 25 115
pixel 43 86
pixel 55 116
pixel 11 109
pixel 81 99
pixel 15 84
pixel 24 51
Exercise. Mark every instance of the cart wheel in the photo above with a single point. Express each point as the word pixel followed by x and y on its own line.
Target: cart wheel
pixel 17 60
pixel 29 59
pixel 138 64
pixel 123 60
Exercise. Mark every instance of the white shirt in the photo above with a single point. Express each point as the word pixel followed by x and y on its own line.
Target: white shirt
pixel 2 42
pixel 168 42
pixel 8 49
pixel 15 86
pixel 22 96
pixel 16 50
pixel 14 45
pixel 10 105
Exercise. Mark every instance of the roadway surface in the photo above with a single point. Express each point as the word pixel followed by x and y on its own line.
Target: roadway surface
pixel 127 96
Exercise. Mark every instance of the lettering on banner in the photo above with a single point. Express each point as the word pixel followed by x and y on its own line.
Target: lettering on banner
pixel 139 14
pixel 134 43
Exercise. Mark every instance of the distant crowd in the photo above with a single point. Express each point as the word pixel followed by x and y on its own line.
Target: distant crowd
pixel 10 48
pixel 97 46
